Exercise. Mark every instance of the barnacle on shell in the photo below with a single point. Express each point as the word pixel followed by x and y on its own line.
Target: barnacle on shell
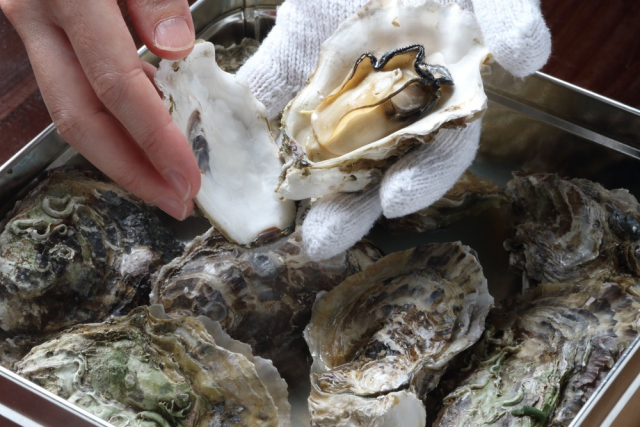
pixel 76 250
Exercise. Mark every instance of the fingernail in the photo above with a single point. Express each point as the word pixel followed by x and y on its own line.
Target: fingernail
pixel 173 34
pixel 179 184
pixel 173 207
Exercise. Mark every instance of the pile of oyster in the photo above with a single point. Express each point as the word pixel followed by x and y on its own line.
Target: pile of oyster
pixel 102 305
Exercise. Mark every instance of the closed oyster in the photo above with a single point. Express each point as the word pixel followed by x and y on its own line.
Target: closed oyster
pixel 386 80
pixel 149 369
pixel 230 137
pixel 569 230
pixel 77 250
pixel 469 196
pixel 231 58
pixel 260 296
pixel 382 338
pixel 540 366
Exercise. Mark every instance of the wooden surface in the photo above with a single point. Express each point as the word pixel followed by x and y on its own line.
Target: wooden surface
pixel 595 46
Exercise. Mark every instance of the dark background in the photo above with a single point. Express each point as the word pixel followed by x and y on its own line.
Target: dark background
pixel 595 46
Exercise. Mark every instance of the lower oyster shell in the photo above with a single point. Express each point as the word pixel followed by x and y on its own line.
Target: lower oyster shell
pixel 390 331
pixel 550 356
pixel 76 250
pixel 151 368
pixel 261 296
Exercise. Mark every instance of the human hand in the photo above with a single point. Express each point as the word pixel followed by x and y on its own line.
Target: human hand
pixel 101 96
pixel 516 35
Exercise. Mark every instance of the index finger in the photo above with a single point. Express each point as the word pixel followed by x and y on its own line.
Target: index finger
pixel 109 59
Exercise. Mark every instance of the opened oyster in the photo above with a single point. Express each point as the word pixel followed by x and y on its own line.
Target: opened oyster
pixel 469 196
pixel 77 250
pixel 386 80
pixel 149 369
pixel 541 366
pixel 261 296
pixel 382 338
pixel 568 230
pixel 230 137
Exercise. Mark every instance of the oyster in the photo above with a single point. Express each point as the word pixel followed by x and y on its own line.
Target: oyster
pixel 569 230
pixel 387 79
pixel 541 366
pixel 469 196
pixel 230 137
pixel 14 347
pixel 261 296
pixel 76 250
pixel 148 369
pixel 382 338
pixel 231 58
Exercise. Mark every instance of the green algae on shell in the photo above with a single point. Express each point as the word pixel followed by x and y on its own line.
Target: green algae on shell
pixel 549 352
pixel 163 371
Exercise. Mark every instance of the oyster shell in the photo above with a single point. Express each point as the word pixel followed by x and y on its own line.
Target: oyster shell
pixel 155 370
pixel 469 196
pixel 417 68
pixel 541 366
pixel 231 58
pixel 76 250
pixel 569 230
pixel 382 338
pixel 260 296
pixel 230 137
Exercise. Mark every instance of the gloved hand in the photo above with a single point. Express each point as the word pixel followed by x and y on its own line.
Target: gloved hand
pixel 515 33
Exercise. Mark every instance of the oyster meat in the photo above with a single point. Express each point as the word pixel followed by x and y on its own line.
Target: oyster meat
pixel 542 364
pixel 149 369
pixel 261 296
pixel 569 230
pixel 76 250
pixel 386 80
pixel 382 338
pixel 469 196
pixel 230 137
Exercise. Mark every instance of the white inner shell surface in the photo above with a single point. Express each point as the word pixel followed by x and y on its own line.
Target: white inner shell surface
pixel 237 192
pixel 450 37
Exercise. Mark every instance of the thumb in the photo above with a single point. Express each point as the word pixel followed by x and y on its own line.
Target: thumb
pixel 516 34
pixel 165 26
pixel 416 181
pixel 337 221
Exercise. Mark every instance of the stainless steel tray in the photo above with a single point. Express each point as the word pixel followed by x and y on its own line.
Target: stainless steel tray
pixel 538 124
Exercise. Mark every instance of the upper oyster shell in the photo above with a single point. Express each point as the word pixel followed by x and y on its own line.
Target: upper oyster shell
pixel 350 122
pixel 389 333
pixel 230 137
pixel 77 250
pixel 568 230
pixel 163 371
pixel 261 296
pixel 549 353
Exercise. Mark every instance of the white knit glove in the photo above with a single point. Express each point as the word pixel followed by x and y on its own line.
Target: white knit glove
pixel 513 30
